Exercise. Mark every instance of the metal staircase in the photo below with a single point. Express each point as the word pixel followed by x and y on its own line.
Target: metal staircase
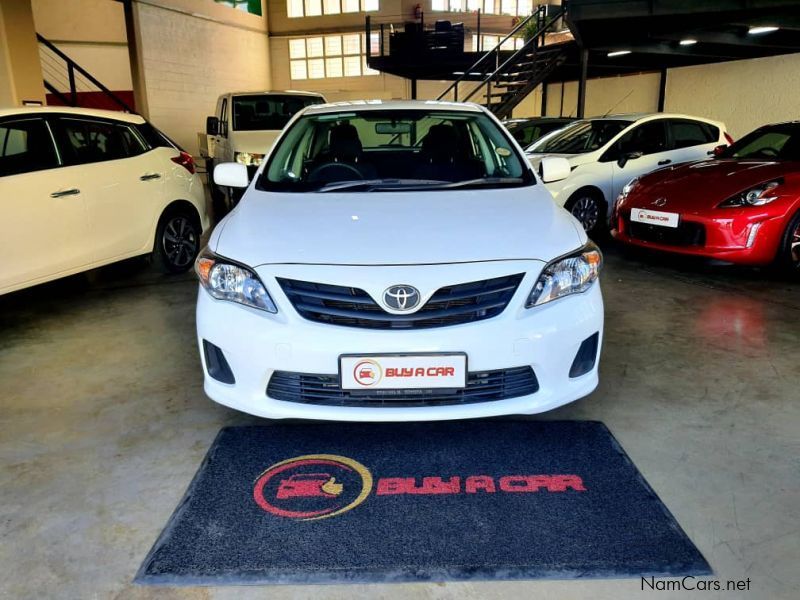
pixel 72 85
pixel 503 84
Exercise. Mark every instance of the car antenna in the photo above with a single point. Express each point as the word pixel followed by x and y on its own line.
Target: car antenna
pixel 618 103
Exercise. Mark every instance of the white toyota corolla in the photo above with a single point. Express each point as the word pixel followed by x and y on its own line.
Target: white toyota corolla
pixel 398 261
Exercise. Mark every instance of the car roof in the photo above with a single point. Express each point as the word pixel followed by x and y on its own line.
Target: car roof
pixel 366 105
pixel 67 110
pixel 633 117
pixel 275 92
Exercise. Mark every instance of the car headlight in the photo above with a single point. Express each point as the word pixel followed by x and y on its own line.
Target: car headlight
pixel 248 158
pixel 570 274
pixel 627 189
pixel 226 280
pixel 759 195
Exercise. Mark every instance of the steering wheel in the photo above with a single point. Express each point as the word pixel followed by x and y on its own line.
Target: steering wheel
pixel 345 171
pixel 767 151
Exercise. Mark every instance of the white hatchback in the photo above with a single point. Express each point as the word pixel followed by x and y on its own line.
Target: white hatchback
pixel 83 188
pixel 397 261
pixel 606 153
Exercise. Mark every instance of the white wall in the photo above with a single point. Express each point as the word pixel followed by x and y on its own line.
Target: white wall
pixel 743 94
pixel 190 60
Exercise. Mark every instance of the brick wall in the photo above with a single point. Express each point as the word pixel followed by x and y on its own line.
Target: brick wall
pixel 189 61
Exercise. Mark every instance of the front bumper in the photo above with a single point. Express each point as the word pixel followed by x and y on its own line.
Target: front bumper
pixel 741 236
pixel 256 344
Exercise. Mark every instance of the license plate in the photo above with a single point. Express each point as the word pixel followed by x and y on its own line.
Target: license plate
pixel 402 371
pixel 655 217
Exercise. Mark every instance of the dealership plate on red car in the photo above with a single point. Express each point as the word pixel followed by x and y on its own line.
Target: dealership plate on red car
pixel 655 217
pixel 402 371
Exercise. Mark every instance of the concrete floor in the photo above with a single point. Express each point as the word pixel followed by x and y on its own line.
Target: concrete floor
pixel 103 423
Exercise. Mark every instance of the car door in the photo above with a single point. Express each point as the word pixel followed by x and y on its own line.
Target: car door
pixel 44 218
pixel 641 150
pixel 692 140
pixel 124 182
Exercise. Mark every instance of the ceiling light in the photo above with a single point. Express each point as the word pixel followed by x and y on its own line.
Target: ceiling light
pixel 762 29
pixel 688 42
pixel 618 53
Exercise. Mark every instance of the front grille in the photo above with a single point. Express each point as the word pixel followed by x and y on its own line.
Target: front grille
pixel 685 234
pixel 353 307
pixel 324 390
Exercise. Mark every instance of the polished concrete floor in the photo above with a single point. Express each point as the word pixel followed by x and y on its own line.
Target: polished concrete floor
pixel 103 422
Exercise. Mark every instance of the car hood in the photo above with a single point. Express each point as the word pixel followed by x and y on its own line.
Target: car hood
pixel 704 184
pixel 254 142
pixel 573 159
pixel 396 228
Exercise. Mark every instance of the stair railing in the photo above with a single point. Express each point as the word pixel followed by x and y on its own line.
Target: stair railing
pixel 62 72
pixel 544 22
pixel 493 53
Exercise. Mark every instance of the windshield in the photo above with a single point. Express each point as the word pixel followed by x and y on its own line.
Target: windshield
pixel 777 142
pixel 268 111
pixel 580 137
pixel 394 149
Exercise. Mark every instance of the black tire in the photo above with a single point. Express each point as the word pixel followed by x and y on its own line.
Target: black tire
pixel 590 209
pixel 787 260
pixel 177 241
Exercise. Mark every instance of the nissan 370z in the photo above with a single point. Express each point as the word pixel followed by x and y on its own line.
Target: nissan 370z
pixel 394 262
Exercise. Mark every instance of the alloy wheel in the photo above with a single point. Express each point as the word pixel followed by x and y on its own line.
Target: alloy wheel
pixel 794 246
pixel 180 241
pixel 587 211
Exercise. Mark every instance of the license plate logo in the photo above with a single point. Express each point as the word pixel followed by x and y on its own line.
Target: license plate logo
pixel 655 217
pixel 403 371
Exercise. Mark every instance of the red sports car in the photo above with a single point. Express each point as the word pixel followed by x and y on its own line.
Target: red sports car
pixel 743 206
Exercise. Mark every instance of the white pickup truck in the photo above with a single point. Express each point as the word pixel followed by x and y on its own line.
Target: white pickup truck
pixel 244 127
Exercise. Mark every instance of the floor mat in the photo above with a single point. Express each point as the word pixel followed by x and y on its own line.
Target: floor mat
pixel 308 503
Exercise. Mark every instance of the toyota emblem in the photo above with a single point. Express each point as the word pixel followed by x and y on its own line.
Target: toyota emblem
pixel 401 297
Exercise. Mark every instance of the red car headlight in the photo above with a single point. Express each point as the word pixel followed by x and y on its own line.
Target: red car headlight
pixel 762 194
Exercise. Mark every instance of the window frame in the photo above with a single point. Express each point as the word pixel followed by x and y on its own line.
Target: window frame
pixel 54 146
pixel 325 56
pixel 63 144
pixel 363 7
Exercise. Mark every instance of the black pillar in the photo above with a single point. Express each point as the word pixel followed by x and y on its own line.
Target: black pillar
pixel 544 98
pixel 413 89
pixel 662 90
pixel 582 82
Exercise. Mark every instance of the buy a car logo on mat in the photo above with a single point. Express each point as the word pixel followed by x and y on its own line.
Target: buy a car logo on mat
pixel 318 486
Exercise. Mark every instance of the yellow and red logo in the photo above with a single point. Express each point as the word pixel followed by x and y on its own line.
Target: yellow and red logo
pixel 316 486
pixel 367 373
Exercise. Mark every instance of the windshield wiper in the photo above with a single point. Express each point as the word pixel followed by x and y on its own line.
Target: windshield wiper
pixel 483 181
pixel 373 183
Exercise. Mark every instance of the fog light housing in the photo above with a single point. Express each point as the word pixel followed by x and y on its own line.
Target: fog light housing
pixel 586 357
pixel 216 365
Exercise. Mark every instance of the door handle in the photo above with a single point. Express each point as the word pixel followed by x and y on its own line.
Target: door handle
pixel 62 193
pixel 666 161
pixel 149 176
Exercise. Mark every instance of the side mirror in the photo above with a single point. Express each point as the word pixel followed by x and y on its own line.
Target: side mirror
pixel 212 125
pixel 231 175
pixel 554 169
pixel 718 150
pixel 626 156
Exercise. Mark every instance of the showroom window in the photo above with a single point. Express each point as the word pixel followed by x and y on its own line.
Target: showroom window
pixel 331 56
pixel 250 6
pixel 315 8
pixel 25 146
pixel 490 7
pixel 491 40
